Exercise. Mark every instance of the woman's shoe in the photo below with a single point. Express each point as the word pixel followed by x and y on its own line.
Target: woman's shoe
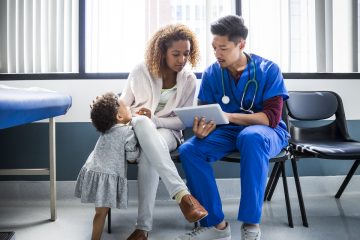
pixel 192 209
pixel 138 234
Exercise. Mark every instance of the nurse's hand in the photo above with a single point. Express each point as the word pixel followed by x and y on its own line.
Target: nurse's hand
pixel 201 128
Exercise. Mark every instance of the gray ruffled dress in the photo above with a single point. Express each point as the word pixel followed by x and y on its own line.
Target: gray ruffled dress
pixel 102 180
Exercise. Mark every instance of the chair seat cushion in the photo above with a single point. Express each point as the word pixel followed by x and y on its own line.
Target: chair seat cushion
pixel 330 149
pixel 235 157
pixel 175 155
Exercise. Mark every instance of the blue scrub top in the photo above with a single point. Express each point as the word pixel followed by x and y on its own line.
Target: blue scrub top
pixel 268 76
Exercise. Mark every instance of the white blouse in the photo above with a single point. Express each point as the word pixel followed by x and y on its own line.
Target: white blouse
pixel 166 94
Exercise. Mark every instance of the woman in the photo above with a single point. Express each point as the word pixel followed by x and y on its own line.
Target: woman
pixel 154 88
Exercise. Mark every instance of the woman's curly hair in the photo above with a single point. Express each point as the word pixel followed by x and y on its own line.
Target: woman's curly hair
pixel 103 112
pixel 160 42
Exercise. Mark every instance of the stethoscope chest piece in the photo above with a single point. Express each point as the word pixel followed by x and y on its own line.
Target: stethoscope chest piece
pixel 225 99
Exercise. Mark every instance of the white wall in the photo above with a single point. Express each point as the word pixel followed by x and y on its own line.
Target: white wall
pixel 348 89
pixel 84 91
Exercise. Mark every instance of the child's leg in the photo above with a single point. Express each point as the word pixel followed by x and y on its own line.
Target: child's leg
pixel 98 222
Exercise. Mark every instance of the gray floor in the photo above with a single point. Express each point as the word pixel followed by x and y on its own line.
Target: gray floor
pixel 24 209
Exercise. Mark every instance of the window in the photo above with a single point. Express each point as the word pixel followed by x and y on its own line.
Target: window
pixel 178 12
pixel 117 31
pixel 39 36
pixel 197 12
pixel 42 36
pixel 187 12
pixel 304 35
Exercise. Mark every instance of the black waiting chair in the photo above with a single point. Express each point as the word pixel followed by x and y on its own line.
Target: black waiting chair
pixel 316 138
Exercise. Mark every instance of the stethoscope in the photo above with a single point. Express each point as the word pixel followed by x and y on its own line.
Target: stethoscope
pixel 225 99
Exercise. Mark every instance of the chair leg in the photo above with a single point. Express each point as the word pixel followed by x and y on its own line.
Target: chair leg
pixel 196 225
pixel 299 192
pixel 347 179
pixel 274 184
pixel 109 220
pixel 271 179
pixel 286 193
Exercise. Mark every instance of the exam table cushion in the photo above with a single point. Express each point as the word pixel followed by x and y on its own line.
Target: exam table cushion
pixel 25 105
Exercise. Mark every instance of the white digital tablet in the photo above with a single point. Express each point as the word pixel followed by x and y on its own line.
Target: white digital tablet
pixel 210 112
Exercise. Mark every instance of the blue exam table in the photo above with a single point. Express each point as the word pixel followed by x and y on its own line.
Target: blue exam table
pixel 25 105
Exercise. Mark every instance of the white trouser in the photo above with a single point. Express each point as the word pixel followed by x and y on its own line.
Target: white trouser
pixel 155 161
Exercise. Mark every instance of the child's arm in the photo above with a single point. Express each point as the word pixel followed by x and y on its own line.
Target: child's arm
pixel 132 151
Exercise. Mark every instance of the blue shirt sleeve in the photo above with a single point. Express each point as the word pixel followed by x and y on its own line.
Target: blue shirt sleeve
pixel 275 85
pixel 206 95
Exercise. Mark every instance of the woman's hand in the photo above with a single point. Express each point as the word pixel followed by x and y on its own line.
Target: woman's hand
pixel 145 112
pixel 202 128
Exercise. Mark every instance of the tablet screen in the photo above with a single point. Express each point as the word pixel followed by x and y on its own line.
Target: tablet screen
pixel 210 112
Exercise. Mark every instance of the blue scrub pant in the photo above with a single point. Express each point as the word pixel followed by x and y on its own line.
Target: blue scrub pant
pixel 256 144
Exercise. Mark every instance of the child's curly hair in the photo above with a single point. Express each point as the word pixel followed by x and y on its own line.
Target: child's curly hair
pixel 103 112
pixel 160 42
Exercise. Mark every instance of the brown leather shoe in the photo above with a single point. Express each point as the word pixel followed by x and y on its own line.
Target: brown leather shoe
pixel 192 209
pixel 138 234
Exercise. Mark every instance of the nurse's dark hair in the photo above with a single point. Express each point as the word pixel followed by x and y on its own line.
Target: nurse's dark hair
pixel 103 112
pixel 232 26
pixel 161 40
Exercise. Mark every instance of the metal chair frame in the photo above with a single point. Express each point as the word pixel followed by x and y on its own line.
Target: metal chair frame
pixel 330 141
